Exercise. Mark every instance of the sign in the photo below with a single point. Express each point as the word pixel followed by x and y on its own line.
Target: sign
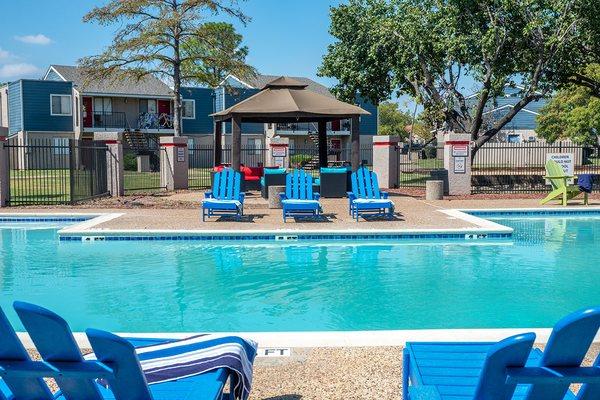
pixel 566 161
pixel 460 165
pixel 279 151
pixel 181 154
pixel 460 150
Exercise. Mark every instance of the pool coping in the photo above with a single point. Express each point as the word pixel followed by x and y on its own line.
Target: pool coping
pixel 337 339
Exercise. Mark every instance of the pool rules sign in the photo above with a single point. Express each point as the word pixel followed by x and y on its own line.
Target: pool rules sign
pixel 566 161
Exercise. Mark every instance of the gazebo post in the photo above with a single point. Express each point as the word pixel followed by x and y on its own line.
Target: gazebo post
pixel 322 126
pixel 236 142
pixel 355 139
pixel 218 139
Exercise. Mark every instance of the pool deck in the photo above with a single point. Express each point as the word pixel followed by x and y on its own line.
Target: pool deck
pixel 180 211
pixel 320 366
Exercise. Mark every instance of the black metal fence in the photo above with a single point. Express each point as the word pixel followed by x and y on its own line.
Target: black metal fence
pixel 417 164
pixel 56 171
pixel 520 167
pixel 201 160
pixel 142 171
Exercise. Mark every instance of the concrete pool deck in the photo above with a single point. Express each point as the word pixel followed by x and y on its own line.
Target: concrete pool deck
pixel 180 211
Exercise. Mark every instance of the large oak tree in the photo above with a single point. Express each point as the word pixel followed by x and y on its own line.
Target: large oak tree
pixel 156 37
pixel 425 48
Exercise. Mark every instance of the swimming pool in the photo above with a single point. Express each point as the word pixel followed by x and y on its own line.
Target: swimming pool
pixel 549 268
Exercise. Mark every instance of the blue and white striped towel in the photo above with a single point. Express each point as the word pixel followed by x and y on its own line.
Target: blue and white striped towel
pixel 195 355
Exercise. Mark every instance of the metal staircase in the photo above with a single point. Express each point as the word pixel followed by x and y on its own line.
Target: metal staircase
pixel 141 142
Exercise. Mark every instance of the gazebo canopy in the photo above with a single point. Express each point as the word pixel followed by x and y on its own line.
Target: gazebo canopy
pixel 288 100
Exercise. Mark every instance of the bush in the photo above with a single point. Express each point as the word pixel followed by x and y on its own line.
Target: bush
pixel 300 159
pixel 130 162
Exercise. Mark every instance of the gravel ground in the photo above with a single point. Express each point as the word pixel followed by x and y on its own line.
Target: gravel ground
pixel 334 373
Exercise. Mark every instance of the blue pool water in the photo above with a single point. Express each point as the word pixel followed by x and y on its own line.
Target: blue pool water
pixel 550 267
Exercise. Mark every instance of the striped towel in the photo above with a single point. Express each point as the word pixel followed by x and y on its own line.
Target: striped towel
pixel 195 355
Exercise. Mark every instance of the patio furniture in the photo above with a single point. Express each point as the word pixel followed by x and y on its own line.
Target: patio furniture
pixel 272 176
pixel 497 371
pixel 77 378
pixel 299 198
pixel 225 197
pixel 365 197
pixel 561 189
pixel 333 182
pixel 252 177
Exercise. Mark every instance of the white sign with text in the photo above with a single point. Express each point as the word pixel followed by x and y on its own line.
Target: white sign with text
pixel 566 161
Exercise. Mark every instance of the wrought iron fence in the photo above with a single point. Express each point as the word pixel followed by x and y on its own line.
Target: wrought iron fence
pixel 417 164
pixel 201 162
pixel 56 171
pixel 142 171
pixel 520 167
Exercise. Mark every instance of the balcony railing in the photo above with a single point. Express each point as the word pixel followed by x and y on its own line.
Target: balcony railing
pixel 309 127
pixel 109 120
pixel 155 121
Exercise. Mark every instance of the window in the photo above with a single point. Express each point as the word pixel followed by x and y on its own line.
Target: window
pixel 102 105
pixel 76 111
pixel 147 106
pixel 254 146
pixel 60 145
pixel 60 104
pixel 188 109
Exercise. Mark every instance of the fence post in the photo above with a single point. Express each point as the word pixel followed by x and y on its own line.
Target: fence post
pixel 457 161
pixel 4 171
pixel 174 162
pixel 115 164
pixel 385 160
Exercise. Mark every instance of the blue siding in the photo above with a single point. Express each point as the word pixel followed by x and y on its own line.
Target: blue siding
pixel 15 110
pixel 234 97
pixel 204 99
pixel 36 106
pixel 368 123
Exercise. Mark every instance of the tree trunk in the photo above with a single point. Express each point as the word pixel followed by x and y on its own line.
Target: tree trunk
pixel 177 99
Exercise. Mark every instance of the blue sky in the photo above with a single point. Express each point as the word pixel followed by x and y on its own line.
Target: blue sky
pixel 285 37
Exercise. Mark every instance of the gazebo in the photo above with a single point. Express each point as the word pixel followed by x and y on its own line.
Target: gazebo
pixel 286 100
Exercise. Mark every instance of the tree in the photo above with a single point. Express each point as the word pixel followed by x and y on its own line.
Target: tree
pixel 573 113
pixel 151 40
pixel 426 48
pixel 221 54
pixel 392 121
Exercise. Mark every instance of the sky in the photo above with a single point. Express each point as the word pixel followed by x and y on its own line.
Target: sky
pixel 284 37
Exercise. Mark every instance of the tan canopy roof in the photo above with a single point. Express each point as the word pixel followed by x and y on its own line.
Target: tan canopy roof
pixel 288 100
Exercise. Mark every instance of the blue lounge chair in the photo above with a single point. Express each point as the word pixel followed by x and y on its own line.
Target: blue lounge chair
pixel 299 198
pixel 77 378
pixel 365 197
pixel 509 369
pixel 225 197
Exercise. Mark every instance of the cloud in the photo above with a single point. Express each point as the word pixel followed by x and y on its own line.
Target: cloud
pixel 5 55
pixel 34 39
pixel 19 70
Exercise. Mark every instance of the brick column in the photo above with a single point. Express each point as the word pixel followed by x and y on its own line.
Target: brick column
pixel 385 160
pixel 279 153
pixel 174 162
pixel 4 173
pixel 115 164
pixel 457 161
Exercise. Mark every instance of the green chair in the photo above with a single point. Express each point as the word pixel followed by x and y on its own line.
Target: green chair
pixel 561 190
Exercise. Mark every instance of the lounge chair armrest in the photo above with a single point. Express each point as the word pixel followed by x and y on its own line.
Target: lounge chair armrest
pixel 351 196
pixel 384 195
pixel 208 195
pixel 316 195
pixel 242 196
pixel 552 376
pixel 282 196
